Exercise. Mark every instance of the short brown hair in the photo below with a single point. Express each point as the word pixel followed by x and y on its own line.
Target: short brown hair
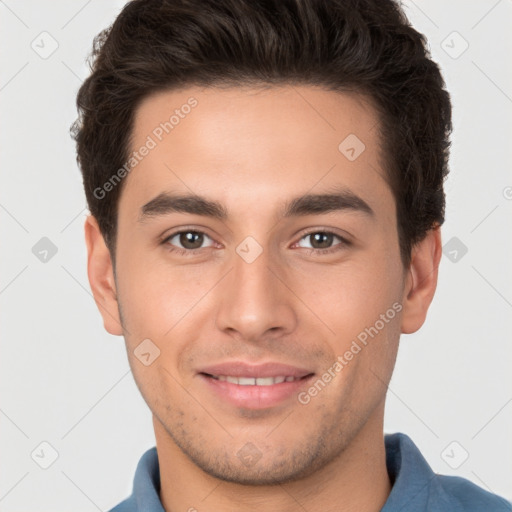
pixel 366 46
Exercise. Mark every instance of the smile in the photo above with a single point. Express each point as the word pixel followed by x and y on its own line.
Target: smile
pixel 255 381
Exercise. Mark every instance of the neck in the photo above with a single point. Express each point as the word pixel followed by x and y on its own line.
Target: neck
pixel 356 480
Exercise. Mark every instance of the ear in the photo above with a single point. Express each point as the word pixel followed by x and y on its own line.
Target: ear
pixel 421 281
pixel 101 277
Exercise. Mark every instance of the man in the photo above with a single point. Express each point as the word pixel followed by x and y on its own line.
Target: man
pixel 265 181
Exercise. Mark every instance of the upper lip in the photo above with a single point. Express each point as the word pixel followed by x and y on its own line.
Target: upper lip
pixel 241 369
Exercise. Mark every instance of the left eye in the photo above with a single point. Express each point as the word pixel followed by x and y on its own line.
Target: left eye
pixel 189 240
pixel 320 240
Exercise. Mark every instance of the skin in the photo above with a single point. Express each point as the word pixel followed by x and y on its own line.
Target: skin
pixel 252 150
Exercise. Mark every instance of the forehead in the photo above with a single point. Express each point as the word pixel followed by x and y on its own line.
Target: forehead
pixel 257 142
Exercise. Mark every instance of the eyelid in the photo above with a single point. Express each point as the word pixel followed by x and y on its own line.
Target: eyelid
pixel 332 231
pixel 205 236
pixel 169 233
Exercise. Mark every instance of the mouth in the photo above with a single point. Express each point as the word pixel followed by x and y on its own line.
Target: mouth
pixel 255 386
pixel 256 381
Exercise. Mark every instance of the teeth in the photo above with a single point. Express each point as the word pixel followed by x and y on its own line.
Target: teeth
pixel 265 381
pixel 253 381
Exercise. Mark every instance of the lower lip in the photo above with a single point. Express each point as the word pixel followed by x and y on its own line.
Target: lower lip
pixel 255 397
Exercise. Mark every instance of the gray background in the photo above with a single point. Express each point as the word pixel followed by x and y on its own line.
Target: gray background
pixel 66 382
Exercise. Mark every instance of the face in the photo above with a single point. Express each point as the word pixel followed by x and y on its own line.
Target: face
pixel 257 242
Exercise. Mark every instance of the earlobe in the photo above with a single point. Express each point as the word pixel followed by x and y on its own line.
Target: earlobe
pixel 101 277
pixel 421 281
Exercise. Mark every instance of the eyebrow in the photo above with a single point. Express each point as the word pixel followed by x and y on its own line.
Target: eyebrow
pixel 309 204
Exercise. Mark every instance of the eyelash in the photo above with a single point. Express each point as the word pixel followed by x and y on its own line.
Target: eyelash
pixel 193 252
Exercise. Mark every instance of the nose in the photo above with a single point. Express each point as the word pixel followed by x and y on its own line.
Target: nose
pixel 255 302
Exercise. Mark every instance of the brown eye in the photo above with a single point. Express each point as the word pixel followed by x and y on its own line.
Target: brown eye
pixel 189 240
pixel 322 242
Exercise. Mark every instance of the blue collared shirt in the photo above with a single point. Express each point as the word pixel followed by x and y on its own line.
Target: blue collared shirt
pixel 415 486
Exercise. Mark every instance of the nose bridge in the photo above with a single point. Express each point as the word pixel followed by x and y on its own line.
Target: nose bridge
pixel 251 274
pixel 253 299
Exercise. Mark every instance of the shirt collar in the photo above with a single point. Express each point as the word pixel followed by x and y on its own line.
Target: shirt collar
pixel 410 475
pixel 146 485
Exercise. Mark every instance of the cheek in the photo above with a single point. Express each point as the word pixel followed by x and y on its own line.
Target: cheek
pixel 351 296
pixel 156 297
